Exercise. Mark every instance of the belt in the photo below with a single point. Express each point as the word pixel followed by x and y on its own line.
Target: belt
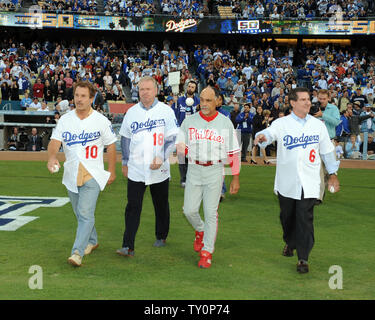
pixel 207 163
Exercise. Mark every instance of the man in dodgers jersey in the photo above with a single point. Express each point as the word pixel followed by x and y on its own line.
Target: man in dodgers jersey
pixel 209 139
pixel 148 133
pixel 302 141
pixel 84 132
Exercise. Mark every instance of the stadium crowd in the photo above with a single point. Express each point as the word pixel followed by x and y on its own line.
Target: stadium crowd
pixel 251 9
pixel 301 9
pixel 246 75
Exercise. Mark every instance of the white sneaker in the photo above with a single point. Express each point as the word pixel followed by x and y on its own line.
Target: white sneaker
pixel 75 259
pixel 90 247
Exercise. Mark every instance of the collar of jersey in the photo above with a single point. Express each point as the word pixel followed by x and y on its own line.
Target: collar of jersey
pixel 208 119
pixel 298 119
pixel 153 104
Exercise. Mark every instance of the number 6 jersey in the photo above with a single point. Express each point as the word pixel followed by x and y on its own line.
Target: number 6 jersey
pixel 298 155
pixel 83 142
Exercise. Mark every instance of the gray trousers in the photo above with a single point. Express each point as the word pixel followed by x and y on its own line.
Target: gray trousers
pixel 204 183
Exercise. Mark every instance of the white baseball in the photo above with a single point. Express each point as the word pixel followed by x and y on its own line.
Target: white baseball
pixel 332 189
pixel 55 168
pixel 189 101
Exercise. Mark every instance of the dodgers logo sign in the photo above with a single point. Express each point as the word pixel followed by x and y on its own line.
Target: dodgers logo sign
pixel 12 209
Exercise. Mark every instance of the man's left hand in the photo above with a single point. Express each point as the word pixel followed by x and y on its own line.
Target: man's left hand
pixel 333 181
pixel 234 185
pixel 319 114
pixel 156 163
pixel 112 178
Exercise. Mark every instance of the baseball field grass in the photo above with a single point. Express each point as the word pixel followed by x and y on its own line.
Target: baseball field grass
pixel 247 263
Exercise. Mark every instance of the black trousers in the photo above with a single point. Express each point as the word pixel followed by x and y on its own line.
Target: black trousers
pixel 245 138
pixel 296 217
pixel 135 193
pixel 183 167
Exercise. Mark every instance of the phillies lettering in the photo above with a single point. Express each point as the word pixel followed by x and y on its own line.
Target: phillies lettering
pixel 302 141
pixel 205 134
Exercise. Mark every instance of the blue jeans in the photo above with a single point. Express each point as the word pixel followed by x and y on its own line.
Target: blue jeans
pixel 84 204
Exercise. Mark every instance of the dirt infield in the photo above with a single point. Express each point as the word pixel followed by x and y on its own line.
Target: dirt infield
pixel 42 156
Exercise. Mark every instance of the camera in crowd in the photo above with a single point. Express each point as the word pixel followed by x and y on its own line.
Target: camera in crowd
pixel 315 107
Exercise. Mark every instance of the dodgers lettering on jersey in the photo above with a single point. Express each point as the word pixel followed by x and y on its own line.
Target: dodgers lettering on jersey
pixel 291 142
pixel 147 125
pixel 83 138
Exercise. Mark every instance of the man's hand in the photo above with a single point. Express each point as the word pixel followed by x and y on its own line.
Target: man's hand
pixel 156 163
pixel 333 181
pixel 51 164
pixel 125 171
pixel 260 138
pixel 234 185
pixel 318 114
pixel 112 178
pixel 180 148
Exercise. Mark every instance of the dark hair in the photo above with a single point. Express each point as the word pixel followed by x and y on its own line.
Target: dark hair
pixel 85 84
pixel 194 82
pixel 293 94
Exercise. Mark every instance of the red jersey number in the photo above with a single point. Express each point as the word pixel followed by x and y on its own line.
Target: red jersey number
pixel 91 152
pixel 312 155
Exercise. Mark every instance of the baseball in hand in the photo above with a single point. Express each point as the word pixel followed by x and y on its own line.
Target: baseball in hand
pixel 189 101
pixel 332 189
pixel 55 168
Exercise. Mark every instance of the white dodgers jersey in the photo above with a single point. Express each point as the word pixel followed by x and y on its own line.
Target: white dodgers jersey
pixel 148 129
pixel 298 155
pixel 83 142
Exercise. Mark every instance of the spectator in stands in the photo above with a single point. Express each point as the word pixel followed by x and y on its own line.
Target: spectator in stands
pixel 343 129
pixel 35 141
pixel 259 124
pixel 35 104
pixel 5 91
pixel 13 140
pixel 26 101
pixel 368 125
pixel 62 105
pixel 48 91
pixel 338 149
pixel 234 113
pixel 44 107
pixel 370 147
pixel 38 89
pixel 352 148
pixel 244 123
pixel 358 96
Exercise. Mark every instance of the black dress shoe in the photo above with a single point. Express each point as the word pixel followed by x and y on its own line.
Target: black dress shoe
pixel 288 251
pixel 302 267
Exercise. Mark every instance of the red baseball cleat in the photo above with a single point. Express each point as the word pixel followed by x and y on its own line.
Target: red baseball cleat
pixel 205 261
pixel 198 241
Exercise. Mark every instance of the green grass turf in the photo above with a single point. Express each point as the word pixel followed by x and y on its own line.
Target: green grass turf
pixel 247 263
